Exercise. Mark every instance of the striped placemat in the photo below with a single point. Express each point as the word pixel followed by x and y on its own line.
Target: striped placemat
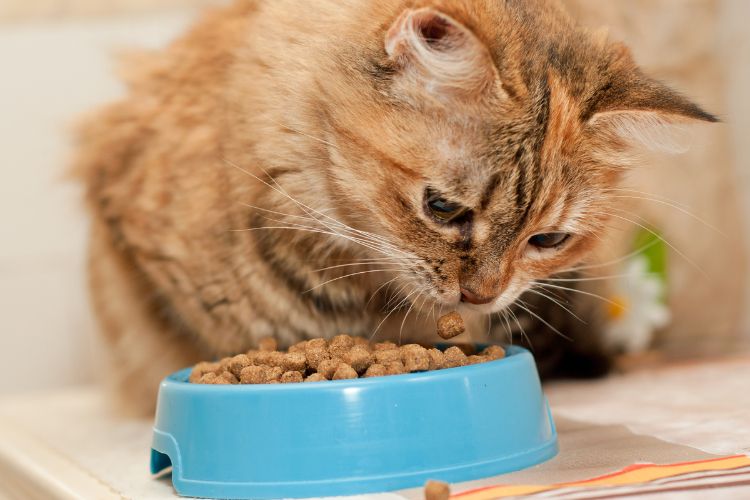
pixel 636 479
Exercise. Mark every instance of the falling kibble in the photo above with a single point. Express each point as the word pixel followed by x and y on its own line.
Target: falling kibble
pixel 450 325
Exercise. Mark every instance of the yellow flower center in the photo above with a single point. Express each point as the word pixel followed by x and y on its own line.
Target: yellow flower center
pixel 617 306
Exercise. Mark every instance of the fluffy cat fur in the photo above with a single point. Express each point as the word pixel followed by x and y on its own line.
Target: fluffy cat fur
pixel 269 173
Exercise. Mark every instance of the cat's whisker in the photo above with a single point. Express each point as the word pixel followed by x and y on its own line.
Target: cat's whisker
pixel 666 242
pixel 391 312
pixel 373 294
pixel 597 278
pixel 393 262
pixel 676 207
pixel 523 306
pixel 575 290
pixel 348 276
pixel 372 237
pixel 520 327
pixel 555 301
pixel 625 257
pixel 304 134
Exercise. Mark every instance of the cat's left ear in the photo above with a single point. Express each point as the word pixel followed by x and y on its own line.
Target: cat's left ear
pixel 640 110
pixel 435 53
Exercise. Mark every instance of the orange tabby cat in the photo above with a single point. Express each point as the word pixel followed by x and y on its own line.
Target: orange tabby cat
pixel 309 168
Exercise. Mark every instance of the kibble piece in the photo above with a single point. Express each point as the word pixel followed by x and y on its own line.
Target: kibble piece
pixel 238 363
pixel 298 347
pixel 475 359
pixel 315 377
pixel 316 344
pixel 376 370
pixel 437 359
pixel 203 368
pixel 275 373
pixel 415 358
pixel 260 357
pixel 328 367
pixel 494 352
pixel 227 378
pixel 254 374
pixel 344 371
pixel 384 346
pixel 362 342
pixel 386 356
pixel 395 368
pixel 339 345
pixel 454 357
pixel 268 344
pixel 450 325
pixel 358 358
pixel 296 361
pixel 467 349
pixel 207 378
pixel 315 355
pixel 436 490
pixel 291 377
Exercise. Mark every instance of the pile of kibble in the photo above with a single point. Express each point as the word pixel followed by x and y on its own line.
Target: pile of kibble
pixel 342 357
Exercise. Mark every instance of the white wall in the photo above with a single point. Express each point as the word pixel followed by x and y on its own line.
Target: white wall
pixel 51 72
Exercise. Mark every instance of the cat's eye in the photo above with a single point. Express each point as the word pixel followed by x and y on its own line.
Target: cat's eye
pixel 444 210
pixel 548 240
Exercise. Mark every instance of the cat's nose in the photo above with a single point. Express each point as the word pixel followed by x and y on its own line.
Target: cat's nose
pixel 473 298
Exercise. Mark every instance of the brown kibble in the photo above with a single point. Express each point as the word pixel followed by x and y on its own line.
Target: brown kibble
pixel 254 374
pixel 454 357
pixel 203 368
pixel 362 342
pixel 207 378
pixel 450 325
pixel 328 367
pixel 344 372
pixel 475 360
pixel 358 358
pixel 275 373
pixel 315 377
pixel 395 368
pixel 436 490
pixel 316 360
pixel 339 345
pixel 291 376
pixel 384 346
pixel 386 356
pixel 494 352
pixel 376 370
pixel 259 357
pixel 437 359
pixel 237 363
pixel 227 378
pixel 294 361
pixel 268 344
pixel 316 344
pixel 298 347
pixel 315 356
pixel 415 358
pixel 467 349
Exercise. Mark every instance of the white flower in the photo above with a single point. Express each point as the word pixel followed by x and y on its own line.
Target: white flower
pixel 636 309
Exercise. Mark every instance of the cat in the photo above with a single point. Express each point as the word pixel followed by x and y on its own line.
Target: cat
pixel 303 169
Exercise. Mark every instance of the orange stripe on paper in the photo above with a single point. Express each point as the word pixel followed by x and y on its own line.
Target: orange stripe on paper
pixel 630 475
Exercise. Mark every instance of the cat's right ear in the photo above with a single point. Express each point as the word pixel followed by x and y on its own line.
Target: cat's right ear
pixel 437 54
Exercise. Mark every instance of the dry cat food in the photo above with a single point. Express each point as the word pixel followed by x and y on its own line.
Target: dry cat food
pixel 436 490
pixel 450 325
pixel 342 357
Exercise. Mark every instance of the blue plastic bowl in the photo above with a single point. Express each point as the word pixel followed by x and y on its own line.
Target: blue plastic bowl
pixel 352 436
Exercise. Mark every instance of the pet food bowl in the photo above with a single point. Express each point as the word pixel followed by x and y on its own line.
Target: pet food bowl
pixel 349 437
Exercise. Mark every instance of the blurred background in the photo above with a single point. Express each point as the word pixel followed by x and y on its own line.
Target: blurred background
pixel 57 62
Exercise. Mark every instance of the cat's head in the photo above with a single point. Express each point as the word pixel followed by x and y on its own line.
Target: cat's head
pixel 483 140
